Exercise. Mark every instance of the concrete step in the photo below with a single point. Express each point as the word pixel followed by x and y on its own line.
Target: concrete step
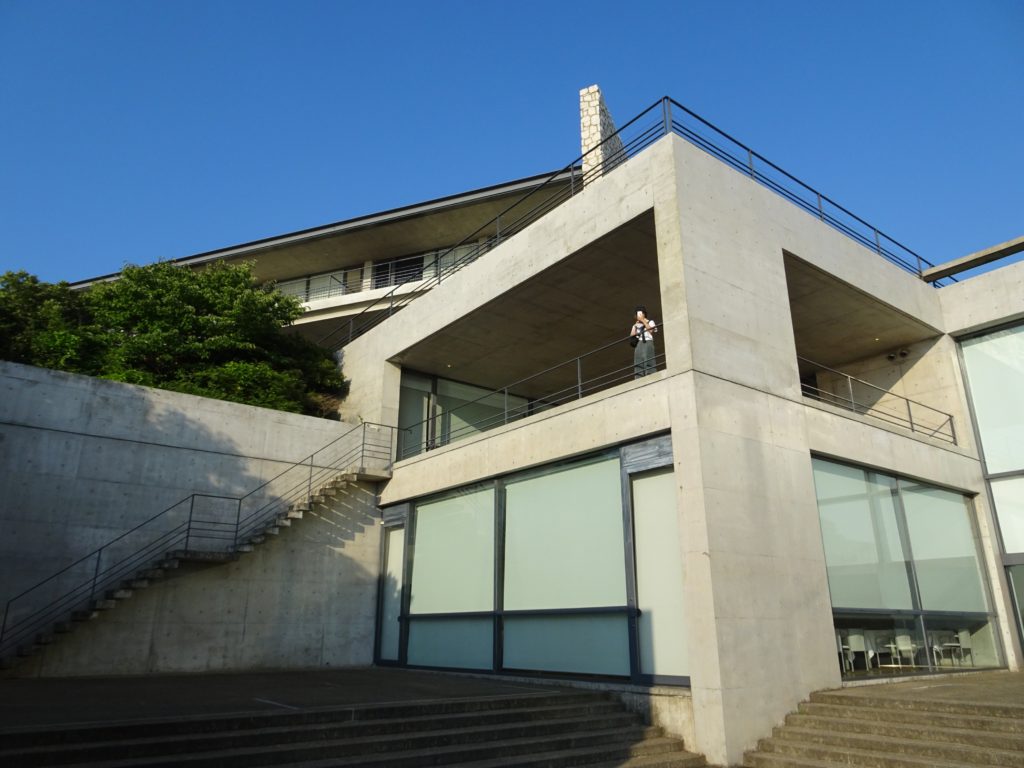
pixel 775 760
pixel 118 594
pixel 899 745
pixel 882 752
pixel 85 615
pixel 41 751
pixel 201 556
pixel 415 713
pixel 105 604
pixel 919 705
pixel 913 717
pixel 283 522
pixel 440 748
pixel 137 583
pixel 339 740
pixel 945 732
pixel 295 510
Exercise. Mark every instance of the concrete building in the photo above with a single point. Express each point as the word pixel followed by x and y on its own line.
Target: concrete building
pixel 822 481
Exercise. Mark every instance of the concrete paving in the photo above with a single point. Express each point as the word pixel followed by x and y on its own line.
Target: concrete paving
pixel 1000 688
pixel 48 702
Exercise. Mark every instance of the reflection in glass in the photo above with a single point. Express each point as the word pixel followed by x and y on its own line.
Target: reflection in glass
pixel 1008 494
pixel 866 564
pixel 391 599
pixel 454 566
pixel 995 368
pixel 464 643
pixel 585 644
pixel 563 539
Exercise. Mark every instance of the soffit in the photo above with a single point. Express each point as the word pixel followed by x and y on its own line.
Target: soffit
pixel 835 323
pixel 582 303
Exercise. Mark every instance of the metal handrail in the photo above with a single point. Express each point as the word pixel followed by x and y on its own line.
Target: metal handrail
pixel 187 523
pixel 941 428
pixel 576 390
pixel 661 118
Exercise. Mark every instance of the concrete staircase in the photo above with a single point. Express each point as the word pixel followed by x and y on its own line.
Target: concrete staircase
pixel 834 729
pixel 172 560
pixel 539 730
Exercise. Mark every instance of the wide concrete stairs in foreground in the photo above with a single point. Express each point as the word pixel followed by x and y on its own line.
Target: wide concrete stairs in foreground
pixel 537 730
pixel 881 731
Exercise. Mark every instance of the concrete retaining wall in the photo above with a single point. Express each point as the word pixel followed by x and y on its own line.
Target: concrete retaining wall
pixel 83 460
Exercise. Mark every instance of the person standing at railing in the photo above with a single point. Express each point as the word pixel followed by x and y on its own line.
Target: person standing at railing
pixel 641 337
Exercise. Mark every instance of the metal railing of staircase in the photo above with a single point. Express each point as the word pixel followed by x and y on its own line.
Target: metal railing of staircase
pixel 201 522
pixel 868 399
pixel 661 118
pixel 573 379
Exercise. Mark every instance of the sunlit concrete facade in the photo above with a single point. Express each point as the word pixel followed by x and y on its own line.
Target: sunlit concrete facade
pixel 742 283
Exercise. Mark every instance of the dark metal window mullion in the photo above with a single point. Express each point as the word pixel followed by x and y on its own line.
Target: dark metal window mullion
pixel 406 594
pixel 629 563
pixel 498 657
pixel 915 586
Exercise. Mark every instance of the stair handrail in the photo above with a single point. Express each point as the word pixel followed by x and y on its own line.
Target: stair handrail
pixel 87 590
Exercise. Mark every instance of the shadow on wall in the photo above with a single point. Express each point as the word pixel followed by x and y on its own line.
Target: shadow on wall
pixel 98 477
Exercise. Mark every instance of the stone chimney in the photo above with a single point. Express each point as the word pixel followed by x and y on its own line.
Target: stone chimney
pixel 596 126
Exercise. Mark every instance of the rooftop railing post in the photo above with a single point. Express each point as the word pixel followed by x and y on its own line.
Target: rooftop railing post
pixel 3 627
pixel 191 511
pixel 96 574
pixel 952 429
pixel 750 164
pixel 497 229
pixel 579 378
pixel 821 210
pixel 878 244
pixel 910 415
pixel 309 485
pixel 572 179
pixel 238 523
pixel 666 115
pixel 849 386
pixel 505 392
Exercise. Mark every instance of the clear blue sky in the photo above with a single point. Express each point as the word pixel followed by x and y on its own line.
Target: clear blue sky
pixel 137 130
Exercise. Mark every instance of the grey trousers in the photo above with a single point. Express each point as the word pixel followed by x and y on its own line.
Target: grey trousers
pixel 643 359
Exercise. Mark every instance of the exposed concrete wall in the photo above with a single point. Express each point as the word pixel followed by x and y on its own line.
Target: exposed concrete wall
pixel 991 298
pixel 82 460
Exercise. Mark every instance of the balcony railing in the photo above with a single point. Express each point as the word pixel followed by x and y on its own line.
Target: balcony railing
pixel 661 118
pixel 576 378
pixel 844 391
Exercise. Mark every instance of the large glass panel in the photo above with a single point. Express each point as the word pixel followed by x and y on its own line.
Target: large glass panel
pixel 465 410
pixel 597 645
pixel 868 644
pixel 961 641
pixel 867 567
pixel 391 598
pixel 659 575
pixel 465 643
pixel 1016 576
pixel 563 539
pixel 1008 494
pixel 413 412
pixel 945 552
pixel 995 368
pixel 453 570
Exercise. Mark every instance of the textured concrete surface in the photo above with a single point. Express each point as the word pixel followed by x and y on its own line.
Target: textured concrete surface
pixel 63 701
pixel 998 688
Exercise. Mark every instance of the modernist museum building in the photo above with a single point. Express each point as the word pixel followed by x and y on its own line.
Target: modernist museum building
pixel 820 481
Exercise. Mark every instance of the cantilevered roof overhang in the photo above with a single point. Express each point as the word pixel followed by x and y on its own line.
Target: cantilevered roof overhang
pixel 407 230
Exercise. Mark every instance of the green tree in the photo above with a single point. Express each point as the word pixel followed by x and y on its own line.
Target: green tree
pixel 44 324
pixel 212 332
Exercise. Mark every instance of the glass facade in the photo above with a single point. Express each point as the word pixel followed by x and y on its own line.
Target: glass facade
pixel 533 573
pixel 904 573
pixel 994 367
pixel 433 411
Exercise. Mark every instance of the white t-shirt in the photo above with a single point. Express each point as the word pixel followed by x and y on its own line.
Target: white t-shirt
pixel 646 334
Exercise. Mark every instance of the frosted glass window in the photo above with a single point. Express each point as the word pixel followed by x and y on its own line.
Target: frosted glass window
pixel 867 567
pixel 945 553
pixel 995 369
pixel 563 539
pixel 453 569
pixel 1009 498
pixel 597 645
pixel 391 599
pixel 464 643
pixel 659 576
